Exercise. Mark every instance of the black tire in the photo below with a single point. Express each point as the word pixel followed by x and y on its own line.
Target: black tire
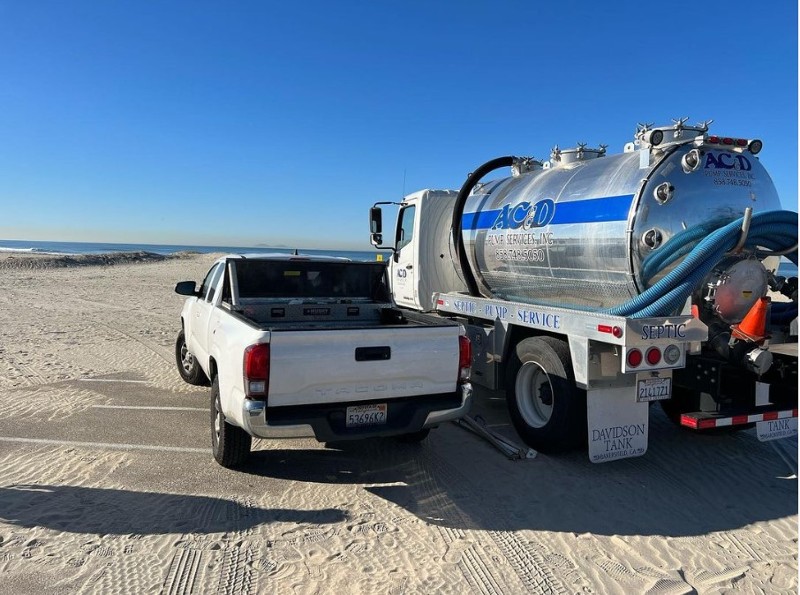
pixel 188 367
pixel 413 437
pixel 546 407
pixel 230 444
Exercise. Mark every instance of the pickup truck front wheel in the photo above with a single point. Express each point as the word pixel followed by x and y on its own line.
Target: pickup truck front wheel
pixel 546 407
pixel 230 444
pixel 188 368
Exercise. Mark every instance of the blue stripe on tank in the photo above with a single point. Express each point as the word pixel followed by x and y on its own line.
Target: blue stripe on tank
pixel 591 210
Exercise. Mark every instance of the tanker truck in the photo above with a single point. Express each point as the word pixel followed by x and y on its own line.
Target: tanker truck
pixel 592 285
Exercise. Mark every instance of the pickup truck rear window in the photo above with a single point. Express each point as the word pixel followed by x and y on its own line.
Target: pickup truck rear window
pixel 310 279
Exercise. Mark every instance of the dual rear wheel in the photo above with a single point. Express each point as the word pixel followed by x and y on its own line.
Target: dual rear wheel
pixel 547 408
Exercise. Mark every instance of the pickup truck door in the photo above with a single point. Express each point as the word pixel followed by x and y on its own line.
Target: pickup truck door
pixel 201 313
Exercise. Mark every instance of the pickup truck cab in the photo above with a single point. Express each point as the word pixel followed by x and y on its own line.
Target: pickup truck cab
pixel 298 346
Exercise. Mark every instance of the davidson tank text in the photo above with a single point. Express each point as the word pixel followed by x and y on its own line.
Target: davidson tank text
pixel 617 441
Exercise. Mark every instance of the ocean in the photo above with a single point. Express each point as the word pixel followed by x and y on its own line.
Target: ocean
pixel 75 248
pixel 786 268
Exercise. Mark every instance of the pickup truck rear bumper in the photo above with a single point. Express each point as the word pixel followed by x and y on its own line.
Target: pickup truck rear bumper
pixel 326 423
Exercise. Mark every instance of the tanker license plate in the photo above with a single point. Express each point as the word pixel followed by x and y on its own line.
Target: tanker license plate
pixel 653 389
pixel 365 415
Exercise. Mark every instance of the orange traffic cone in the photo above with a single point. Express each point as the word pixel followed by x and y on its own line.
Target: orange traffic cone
pixel 754 326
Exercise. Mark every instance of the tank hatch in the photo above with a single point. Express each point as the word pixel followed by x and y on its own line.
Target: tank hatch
pixel 560 157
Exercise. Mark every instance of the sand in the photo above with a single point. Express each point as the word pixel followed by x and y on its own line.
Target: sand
pixel 107 484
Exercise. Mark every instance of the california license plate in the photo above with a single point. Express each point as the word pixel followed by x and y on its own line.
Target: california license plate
pixel 366 415
pixel 653 389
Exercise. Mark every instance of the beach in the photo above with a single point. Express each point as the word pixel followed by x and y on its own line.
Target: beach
pixel 107 483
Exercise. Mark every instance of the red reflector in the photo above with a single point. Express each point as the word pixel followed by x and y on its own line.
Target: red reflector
pixel 794 412
pixel 617 332
pixel 603 328
pixel 256 362
pixel 634 358
pixel 440 302
pixel 688 421
pixel 653 356
pixel 772 415
pixel 704 424
pixel 741 142
pixel 739 420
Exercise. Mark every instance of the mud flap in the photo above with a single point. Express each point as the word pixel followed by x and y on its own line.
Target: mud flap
pixel 618 426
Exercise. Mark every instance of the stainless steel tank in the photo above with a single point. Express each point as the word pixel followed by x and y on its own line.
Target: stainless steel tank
pixel 576 230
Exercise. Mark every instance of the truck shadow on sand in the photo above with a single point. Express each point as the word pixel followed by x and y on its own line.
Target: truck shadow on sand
pixel 78 509
pixel 687 485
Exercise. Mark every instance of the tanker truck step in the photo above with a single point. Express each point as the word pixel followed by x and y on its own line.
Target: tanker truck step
pixel 703 420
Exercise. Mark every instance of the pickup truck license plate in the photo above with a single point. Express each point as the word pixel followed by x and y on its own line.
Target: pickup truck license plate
pixel 366 415
pixel 653 389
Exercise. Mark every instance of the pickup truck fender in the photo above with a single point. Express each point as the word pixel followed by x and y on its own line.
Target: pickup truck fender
pixel 226 343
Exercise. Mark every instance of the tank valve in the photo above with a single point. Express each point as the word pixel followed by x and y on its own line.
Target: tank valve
pixel 759 360
pixel 652 238
pixel 664 193
pixel 691 161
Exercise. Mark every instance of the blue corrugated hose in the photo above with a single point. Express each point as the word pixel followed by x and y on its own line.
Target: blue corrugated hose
pixel 773 230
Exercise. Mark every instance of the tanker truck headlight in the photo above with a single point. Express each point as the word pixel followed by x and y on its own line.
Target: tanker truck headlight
pixel 755 146
pixel 672 354
pixel 691 161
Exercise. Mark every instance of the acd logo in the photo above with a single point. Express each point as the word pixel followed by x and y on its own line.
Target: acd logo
pixel 526 215
pixel 727 161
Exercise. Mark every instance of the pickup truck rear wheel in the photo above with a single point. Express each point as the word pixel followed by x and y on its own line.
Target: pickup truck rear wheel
pixel 546 407
pixel 230 444
pixel 188 367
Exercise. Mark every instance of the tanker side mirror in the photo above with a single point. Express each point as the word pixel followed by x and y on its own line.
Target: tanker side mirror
pixel 375 221
pixel 376 226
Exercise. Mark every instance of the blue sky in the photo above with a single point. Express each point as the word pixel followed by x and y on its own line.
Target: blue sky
pixel 244 123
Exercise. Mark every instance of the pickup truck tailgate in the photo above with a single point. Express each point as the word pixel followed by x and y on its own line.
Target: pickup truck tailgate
pixel 336 365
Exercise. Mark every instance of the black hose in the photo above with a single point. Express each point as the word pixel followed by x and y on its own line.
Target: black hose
pixel 458 214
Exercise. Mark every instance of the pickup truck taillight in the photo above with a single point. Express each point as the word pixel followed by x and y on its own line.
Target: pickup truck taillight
pixel 464 359
pixel 256 370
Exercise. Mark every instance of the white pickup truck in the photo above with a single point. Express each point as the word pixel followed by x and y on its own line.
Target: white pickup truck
pixel 314 346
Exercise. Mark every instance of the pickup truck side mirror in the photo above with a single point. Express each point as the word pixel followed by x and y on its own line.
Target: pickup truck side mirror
pixel 186 288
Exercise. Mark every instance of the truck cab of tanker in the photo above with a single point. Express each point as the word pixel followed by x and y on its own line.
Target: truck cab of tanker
pixel 422 261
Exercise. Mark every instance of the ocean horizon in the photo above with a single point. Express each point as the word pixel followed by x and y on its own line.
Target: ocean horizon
pixel 786 268
pixel 78 248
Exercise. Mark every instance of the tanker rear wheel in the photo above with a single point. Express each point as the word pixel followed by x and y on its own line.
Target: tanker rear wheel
pixel 546 407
